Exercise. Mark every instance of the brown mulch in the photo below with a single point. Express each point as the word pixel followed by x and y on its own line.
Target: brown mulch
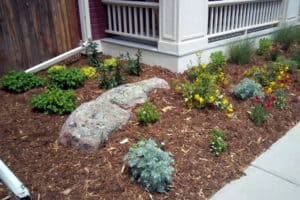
pixel 29 146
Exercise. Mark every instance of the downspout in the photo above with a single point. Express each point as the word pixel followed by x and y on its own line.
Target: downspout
pixel 86 34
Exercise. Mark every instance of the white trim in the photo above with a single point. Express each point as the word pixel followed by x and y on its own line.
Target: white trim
pixel 85 20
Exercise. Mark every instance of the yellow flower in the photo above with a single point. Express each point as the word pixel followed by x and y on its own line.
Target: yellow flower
pixel 281 85
pixel 278 77
pixel 203 66
pixel 110 62
pixel 228 115
pixel 221 75
pixel 286 68
pixel 197 97
pixel 219 69
pixel 201 100
pixel 272 84
pixel 197 80
pixel 230 108
pixel 225 102
pixel 269 90
pixel 226 82
pixel 281 73
pixel 211 99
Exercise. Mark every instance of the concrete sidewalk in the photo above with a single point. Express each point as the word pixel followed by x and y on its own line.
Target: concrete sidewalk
pixel 274 175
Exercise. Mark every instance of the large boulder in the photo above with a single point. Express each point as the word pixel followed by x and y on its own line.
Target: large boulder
pixel 91 124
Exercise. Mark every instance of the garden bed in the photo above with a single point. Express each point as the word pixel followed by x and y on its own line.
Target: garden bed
pixel 29 144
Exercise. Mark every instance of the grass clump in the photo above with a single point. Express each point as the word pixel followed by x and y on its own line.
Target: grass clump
pixel 147 114
pixel 19 81
pixel 217 141
pixel 54 101
pixel 285 37
pixel 150 166
pixel 259 114
pixel 241 53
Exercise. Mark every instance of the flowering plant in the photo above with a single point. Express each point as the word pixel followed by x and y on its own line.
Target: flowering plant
pixel 275 51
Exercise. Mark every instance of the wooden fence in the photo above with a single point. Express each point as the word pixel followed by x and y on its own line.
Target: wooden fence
pixel 36 30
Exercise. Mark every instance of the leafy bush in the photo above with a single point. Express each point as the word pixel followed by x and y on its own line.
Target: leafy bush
pixel 217 62
pixel 293 64
pixel 150 166
pixel 69 78
pixel 19 81
pixel 259 114
pixel 133 65
pixel 285 37
pixel 110 75
pixel 54 101
pixel 241 53
pixel 279 99
pixel 271 75
pixel 275 51
pixel 93 56
pixel 247 89
pixel 264 46
pixel 217 141
pixel 56 67
pixel 147 113
pixel 89 72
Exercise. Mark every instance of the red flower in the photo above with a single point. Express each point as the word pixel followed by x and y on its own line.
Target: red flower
pixel 268 104
pixel 273 98
pixel 256 99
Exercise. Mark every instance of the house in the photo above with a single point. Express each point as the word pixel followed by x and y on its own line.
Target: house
pixel 169 32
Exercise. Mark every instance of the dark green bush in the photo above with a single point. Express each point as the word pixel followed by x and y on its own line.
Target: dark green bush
pixel 217 141
pixel 247 89
pixel 19 81
pixel 150 166
pixel 147 113
pixel 285 37
pixel 69 78
pixel 133 65
pixel 93 56
pixel 241 53
pixel 54 101
pixel 110 73
pixel 264 46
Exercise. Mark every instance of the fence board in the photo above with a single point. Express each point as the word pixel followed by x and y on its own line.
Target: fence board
pixel 34 31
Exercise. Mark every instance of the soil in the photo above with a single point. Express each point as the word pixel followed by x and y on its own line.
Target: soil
pixel 29 146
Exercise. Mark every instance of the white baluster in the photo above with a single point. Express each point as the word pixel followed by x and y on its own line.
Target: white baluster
pixel 114 17
pixel 135 20
pixel 153 23
pixel 216 20
pixel 109 17
pixel 141 21
pixel 147 22
pixel 130 19
pixel 119 19
pixel 125 19
pixel 225 18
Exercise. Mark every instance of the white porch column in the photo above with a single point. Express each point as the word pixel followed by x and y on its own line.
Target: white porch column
pixel 290 14
pixel 183 26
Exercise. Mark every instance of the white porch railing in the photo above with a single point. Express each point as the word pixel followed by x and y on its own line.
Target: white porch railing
pixel 229 16
pixel 133 19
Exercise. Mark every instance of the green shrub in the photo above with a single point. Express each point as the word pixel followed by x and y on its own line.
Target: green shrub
pixel 133 65
pixel 295 51
pixel 285 37
pixel 110 73
pixel 147 113
pixel 54 101
pixel 279 99
pixel 217 141
pixel 241 53
pixel 217 62
pixel 19 81
pixel 150 166
pixel 264 46
pixel 247 89
pixel 259 114
pixel 69 78
pixel 55 68
pixel 89 72
pixel 93 56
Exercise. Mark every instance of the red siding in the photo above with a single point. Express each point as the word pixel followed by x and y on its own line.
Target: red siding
pixel 98 19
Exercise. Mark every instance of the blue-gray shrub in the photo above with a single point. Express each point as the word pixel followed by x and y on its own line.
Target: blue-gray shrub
pixel 247 89
pixel 150 166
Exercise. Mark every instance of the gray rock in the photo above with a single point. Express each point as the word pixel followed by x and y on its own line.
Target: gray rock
pixel 92 123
